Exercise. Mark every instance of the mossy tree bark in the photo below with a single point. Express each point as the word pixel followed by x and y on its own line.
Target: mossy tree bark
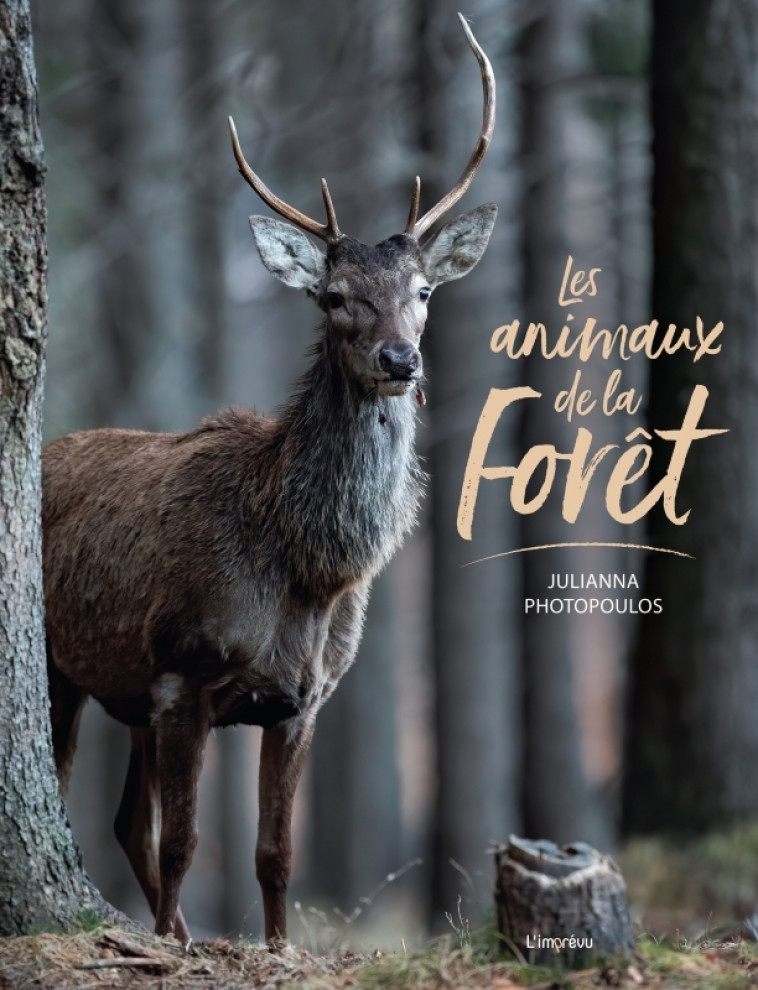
pixel 42 883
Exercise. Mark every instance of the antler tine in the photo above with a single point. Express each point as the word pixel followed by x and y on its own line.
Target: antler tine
pixel 488 126
pixel 413 215
pixel 329 231
pixel 331 216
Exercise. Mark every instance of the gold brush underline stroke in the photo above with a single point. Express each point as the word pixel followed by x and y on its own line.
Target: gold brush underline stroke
pixel 559 546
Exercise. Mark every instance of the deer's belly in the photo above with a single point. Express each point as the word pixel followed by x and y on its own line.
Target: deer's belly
pixel 108 663
pixel 253 666
pixel 134 711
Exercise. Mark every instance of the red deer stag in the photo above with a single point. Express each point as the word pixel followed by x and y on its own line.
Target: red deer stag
pixel 220 576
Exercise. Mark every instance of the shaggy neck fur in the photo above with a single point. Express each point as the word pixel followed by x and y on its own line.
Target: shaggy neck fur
pixel 351 482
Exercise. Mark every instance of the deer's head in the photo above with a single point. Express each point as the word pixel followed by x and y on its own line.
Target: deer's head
pixel 375 297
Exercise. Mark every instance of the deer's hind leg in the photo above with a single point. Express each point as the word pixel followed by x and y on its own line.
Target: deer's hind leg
pixel 138 821
pixel 66 704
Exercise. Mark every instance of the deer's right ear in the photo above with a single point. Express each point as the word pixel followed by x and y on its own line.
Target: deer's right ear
pixel 288 254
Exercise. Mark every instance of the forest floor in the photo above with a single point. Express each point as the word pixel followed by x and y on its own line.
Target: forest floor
pixel 688 895
pixel 109 958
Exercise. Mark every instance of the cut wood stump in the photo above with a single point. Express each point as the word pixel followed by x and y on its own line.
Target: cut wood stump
pixel 564 906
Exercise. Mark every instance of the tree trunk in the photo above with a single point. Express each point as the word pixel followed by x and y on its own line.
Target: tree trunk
pixel 116 120
pixel 41 879
pixel 206 166
pixel 693 735
pixel 355 824
pixel 560 801
pixel 355 795
pixel 561 906
pixel 238 807
pixel 475 627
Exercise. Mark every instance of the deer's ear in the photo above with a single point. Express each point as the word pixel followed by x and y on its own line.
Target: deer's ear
pixel 454 250
pixel 287 253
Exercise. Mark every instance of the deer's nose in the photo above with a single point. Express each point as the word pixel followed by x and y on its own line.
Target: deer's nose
pixel 399 359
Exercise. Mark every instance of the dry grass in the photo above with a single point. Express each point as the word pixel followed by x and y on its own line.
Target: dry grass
pixel 109 958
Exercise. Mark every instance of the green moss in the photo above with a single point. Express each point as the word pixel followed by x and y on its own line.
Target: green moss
pixel 486 944
pixel 393 972
pixel 88 920
pixel 660 956
pixel 712 877
pixel 533 974
pixel 727 981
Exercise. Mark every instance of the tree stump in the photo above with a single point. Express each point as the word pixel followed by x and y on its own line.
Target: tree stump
pixel 560 906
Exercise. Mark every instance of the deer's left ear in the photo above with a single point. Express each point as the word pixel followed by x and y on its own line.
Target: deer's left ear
pixel 454 250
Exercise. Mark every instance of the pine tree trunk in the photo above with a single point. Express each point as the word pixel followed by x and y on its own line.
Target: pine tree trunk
pixel 693 735
pixel 475 625
pixel 557 798
pixel 569 661
pixel 41 879
pixel 356 831
pixel 123 287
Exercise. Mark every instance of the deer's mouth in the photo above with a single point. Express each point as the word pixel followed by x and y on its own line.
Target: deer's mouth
pixel 396 386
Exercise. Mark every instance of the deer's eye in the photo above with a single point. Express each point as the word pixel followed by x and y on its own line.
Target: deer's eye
pixel 334 300
pixel 424 293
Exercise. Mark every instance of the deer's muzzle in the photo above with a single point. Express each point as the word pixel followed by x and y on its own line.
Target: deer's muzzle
pixel 400 360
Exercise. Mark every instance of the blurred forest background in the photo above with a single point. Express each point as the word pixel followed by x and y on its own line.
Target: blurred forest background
pixel 463 719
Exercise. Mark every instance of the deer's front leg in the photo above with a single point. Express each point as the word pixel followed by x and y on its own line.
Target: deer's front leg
pixel 283 752
pixel 181 732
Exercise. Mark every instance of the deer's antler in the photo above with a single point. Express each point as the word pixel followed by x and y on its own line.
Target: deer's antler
pixel 417 227
pixel 328 232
